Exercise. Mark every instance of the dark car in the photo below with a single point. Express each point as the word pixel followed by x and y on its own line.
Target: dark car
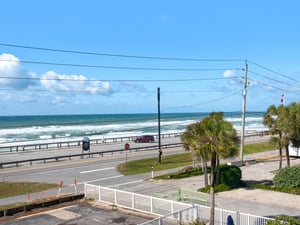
pixel 144 138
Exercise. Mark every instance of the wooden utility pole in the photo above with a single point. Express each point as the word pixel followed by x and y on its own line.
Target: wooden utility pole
pixel 244 112
pixel 158 115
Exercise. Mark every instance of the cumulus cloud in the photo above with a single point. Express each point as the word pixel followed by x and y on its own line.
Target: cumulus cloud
pixel 13 75
pixel 53 82
pixel 231 77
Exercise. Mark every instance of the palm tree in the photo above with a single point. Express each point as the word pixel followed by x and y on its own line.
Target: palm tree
pixel 294 114
pixel 190 139
pixel 284 122
pixel 271 119
pixel 291 121
pixel 214 138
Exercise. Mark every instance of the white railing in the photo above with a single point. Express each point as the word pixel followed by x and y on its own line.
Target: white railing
pixel 168 211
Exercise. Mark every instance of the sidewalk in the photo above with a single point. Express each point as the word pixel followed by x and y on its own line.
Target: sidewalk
pixel 252 201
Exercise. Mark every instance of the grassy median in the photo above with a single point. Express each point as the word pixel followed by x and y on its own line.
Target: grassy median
pixel 179 160
pixel 8 189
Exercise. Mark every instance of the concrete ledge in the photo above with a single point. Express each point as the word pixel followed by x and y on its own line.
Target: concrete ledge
pixel 236 163
pixel 240 163
pixel 40 204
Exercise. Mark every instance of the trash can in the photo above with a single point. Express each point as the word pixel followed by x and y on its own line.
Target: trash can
pixel 85 144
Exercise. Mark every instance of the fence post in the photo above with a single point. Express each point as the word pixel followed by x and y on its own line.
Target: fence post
pixel 221 216
pixel 237 218
pixel 160 222
pixel 248 219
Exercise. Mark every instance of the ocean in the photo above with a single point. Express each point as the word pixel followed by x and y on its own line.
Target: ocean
pixel 66 127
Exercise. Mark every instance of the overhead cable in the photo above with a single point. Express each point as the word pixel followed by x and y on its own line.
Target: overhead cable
pixel 119 67
pixel 270 70
pixel 121 55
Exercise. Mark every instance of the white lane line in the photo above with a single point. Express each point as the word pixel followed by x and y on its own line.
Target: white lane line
pixel 107 178
pixel 132 182
pixel 92 171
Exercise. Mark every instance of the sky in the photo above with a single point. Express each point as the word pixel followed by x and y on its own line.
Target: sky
pixel 107 57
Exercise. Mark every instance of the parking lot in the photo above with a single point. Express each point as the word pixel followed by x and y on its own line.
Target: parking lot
pixel 83 214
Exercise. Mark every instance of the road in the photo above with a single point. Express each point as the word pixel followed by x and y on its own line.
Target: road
pixel 98 170
pixel 102 171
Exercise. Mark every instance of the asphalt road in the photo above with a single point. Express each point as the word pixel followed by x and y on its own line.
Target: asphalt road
pixel 102 171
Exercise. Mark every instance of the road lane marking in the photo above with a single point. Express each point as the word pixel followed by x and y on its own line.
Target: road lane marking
pixel 132 182
pixel 92 171
pixel 101 179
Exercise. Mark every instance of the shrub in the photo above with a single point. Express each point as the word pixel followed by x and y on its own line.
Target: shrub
pixel 187 169
pixel 288 220
pixel 288 177
pixel 230 176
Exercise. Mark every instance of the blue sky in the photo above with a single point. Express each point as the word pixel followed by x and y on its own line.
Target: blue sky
pixel 221 35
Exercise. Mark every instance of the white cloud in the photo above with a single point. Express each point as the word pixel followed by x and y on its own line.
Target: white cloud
pixel 53 82
pixel 229 73
pixel 13 75
pixel 231 77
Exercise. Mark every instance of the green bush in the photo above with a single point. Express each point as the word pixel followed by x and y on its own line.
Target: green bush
pixel 287 220
pixel 230 176
pixel 288 177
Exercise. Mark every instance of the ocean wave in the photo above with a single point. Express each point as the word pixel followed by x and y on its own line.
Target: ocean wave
pixel 130 125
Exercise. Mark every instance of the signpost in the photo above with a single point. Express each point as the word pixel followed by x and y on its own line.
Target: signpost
pixel 127 146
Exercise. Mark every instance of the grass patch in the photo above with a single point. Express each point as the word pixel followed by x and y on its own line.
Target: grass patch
pixel 144 165
pixel 181 174
pixel 287 190
pixel 178 160
pixel 258 147
pixel 8 189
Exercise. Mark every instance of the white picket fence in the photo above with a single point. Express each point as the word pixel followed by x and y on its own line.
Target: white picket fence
pixel 168 211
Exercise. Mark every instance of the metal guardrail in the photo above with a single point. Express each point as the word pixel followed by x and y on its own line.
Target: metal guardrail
pixel 53 144
pixel 89 154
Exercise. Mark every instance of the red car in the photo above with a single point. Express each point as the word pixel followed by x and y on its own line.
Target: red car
pixel 144 138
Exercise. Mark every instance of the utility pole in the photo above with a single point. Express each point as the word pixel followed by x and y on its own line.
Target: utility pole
pixel 244 112
pixel 158 114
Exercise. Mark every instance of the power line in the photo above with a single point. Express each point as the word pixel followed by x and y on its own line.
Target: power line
pixel 118 80
pixel 270 70
pixel 121 55
pixel 206 102
pixel 95 92
pixel 268 85
pixel 119 67
pixel 267 77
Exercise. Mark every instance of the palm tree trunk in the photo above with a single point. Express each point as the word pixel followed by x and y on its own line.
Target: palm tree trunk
pixel 280 158
pixel 212 188
pixel 218 171
pixel 205 174
pixel 287 155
